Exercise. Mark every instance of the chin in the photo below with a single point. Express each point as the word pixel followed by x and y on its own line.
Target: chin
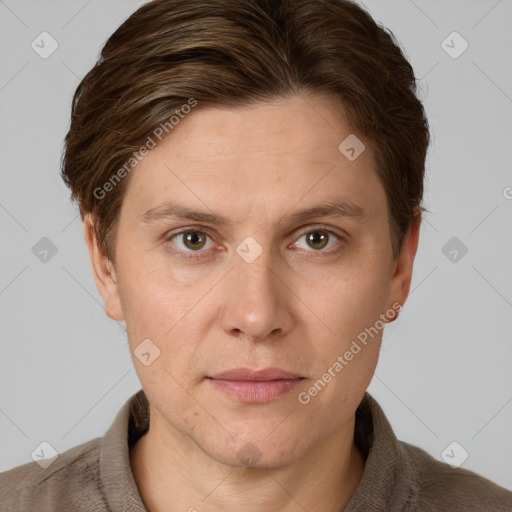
pixel 255 451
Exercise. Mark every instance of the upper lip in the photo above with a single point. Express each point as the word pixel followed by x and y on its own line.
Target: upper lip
pixel 255 375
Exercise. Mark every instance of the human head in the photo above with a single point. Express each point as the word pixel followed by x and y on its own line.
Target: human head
pixel 256 132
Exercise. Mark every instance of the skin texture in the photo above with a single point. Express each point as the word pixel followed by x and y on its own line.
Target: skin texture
pixel 298 306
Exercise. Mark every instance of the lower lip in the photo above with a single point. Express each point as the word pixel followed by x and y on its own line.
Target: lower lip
pixel 255 391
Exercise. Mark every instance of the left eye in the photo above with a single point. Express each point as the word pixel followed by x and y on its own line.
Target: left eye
pixel 317 239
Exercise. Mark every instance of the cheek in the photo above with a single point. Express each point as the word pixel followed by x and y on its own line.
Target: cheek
pixel 174 318
pixel 348 298
pixel 151 298
pixel 349 303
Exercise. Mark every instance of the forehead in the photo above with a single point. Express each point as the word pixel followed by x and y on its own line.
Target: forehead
pixel 295 125
pixel 282 153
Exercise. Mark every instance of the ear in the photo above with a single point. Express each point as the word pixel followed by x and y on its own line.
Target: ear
pixel 103 271
pixel 402 267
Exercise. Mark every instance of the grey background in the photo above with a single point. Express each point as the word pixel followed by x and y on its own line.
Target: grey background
pixel 444 373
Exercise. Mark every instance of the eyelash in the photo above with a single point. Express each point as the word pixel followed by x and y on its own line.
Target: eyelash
pixel 197 255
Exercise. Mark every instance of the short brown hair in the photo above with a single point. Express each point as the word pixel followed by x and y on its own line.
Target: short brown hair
pixel 233 53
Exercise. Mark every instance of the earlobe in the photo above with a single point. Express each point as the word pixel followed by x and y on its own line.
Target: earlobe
pixel 103 271
pixel 392 313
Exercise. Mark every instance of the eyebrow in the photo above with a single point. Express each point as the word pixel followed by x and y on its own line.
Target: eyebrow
pixel 174 210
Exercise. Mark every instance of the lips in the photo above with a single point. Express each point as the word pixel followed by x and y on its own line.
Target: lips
pixel 255 386
pixel 246 374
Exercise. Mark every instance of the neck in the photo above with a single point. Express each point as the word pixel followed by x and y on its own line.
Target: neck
pixel 173 474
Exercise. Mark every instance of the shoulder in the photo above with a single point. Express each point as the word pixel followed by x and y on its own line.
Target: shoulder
pixel 442 487
pixel 71 480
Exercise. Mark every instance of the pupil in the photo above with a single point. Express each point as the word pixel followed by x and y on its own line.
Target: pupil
pixel 193 238
pixel 317 239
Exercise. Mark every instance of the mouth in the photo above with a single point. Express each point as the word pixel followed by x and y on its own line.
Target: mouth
pixel 247 374
pixel 255 386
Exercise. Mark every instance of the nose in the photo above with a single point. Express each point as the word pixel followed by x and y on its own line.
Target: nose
pixel 258 302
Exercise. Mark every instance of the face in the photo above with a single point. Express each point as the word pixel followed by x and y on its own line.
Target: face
pixel 247 282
